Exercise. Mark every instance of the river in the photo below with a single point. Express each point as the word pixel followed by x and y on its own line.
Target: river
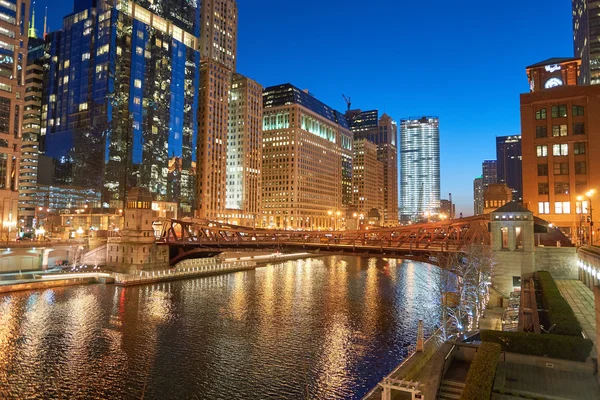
pixel 328 328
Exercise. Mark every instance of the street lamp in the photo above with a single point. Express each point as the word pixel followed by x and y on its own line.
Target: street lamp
pixel 588 195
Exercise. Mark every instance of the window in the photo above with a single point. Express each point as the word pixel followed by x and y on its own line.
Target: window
pixel 136 100
pixel 542 169
pixel 541 132
pixel 560 149
pixel 581 207
pixel 542 151
pixel 543 188
pixel 562 207
pixel 137 83
pixel 559 111
pixel 540 114
pixel 561 168
pixel 578 128
pixel 577 111
pixel 580 168
pixel 579 148
pixel 559 130
pixel 85 56
pixel 561 187
pixel 544 207
pixel 83 106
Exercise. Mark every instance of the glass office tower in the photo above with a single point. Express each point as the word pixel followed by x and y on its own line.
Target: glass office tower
pixel 121 99
pixel 420 166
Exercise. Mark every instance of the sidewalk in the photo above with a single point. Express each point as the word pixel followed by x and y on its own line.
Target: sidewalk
pixel 581 300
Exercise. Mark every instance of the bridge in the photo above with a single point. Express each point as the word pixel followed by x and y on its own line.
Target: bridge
pixel 190 239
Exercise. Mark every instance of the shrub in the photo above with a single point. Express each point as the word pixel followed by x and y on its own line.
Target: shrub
pixel 480 379
pixel 555 346
pixel 559 311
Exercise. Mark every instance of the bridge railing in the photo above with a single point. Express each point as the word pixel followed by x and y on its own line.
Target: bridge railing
pixel 183 269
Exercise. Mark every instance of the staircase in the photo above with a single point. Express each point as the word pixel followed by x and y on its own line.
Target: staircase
pixel 450 390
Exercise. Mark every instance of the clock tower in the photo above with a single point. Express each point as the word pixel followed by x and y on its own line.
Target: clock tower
pixel 552 73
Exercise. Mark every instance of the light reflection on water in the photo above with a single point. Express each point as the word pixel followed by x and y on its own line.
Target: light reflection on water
pixel 327 327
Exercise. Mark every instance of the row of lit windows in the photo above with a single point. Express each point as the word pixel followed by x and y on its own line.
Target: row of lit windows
pixel 560 149
pixel 559 111
pixel 562 207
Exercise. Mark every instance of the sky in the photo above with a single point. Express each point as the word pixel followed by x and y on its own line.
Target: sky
pixel 463 61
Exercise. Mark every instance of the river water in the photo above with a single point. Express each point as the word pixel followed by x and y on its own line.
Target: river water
pixel 327 328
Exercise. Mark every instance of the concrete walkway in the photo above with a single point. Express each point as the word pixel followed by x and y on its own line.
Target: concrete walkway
pixel 581 300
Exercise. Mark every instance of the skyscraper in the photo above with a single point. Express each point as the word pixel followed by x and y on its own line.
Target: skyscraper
pixel 244 149
pixel 478 196
pixel 510 160
pixel 121 99
pixel 367 178
pixel 489 171
pixel 13 64
pixel 420 166
pixel 218 46
pixel 303 143
pixel 383 132
pixel 586 29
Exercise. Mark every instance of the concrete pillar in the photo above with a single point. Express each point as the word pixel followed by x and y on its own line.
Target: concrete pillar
pixel 512 238
pixel 45 258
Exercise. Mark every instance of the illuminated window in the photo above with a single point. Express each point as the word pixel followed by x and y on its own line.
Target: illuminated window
pixel 137 83
pixel 544 207
pixel 560 149
pixel 562 207
pixel 540 114
pixel 542 151
pixel 83 106
pixel 85 56
pixel 559 130
pixel 136 100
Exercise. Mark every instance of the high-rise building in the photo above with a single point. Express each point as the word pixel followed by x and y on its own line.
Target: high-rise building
pixel 32 117
pixel 560 136
pixel 489 170
pixel 121 99
pixel 244 149
pixel 510 160
pixel 383 132
pixel 478 196
pixel 420 166
pixel 367 178
pixel 218 48
pixel 447 208
pixel 13 65
pixel 586 29
pixel 303 143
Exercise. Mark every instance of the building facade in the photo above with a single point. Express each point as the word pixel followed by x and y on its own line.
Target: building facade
pixel 384 133
pixel 218 48
pixel 32 116
pixel 560 135
pixel 244 149
pixel 554 72
pixel 586 30
pixel 302 160
pixel 14 25
pixel 121 99
pixel 489 170
pixel 368 178
pixel 510 164
pixel 478 196
pixel 419 166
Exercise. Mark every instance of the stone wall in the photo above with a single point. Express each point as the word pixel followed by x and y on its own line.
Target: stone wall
pixel 508 265
pixel 561 262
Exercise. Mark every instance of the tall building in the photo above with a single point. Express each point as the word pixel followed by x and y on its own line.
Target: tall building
pixel 560 136
pixel 420 166
pixel 368 178
pixel 478 196
pixel 586 29
pixel 383 132
pixel 32 117
pixel 121 99
pixel 218 47
pixel 302 160
pixel 510 160
pixel 244 149
pixel 489 170
pixel 14 27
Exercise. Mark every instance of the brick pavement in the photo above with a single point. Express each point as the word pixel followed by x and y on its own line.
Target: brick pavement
pixel 581 300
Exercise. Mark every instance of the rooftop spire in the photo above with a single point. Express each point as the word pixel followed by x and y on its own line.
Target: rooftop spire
pixel 31 33
pixel 45 23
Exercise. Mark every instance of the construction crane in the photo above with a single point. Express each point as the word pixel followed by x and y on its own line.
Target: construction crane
pixel 348 100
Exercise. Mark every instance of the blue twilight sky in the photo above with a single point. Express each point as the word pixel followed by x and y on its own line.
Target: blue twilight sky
pixel 463 61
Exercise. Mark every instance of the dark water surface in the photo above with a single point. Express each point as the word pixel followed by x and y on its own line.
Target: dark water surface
pixel 324 328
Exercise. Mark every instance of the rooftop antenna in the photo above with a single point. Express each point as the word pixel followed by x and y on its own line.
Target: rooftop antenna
pixel 45 23
pixel 31 32
pixel 348 100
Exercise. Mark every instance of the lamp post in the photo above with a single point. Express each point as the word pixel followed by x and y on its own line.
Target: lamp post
pixel 588 195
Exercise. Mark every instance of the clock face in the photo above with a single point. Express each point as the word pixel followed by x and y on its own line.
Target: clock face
pixel 553 82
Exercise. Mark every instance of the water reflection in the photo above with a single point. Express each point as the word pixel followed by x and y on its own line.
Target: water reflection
pixel 327 327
